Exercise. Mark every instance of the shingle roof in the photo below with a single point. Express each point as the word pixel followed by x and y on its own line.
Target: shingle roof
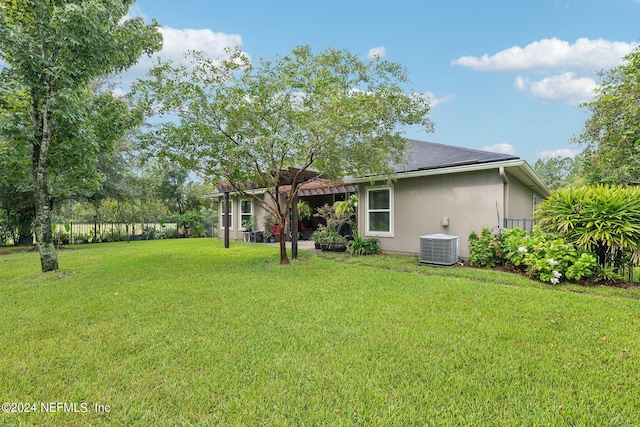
pixel 424 155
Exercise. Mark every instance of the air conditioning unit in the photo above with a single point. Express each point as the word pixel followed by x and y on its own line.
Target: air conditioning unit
pixel 440 249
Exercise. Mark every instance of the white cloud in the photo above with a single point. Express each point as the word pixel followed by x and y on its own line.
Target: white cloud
pixel 501 148
pixel 379 51
pixel 570 69
pixel 565 87
pixel 562 152
pixel 177 42
pixel 135 12
pixel 434 101
pixel 551 54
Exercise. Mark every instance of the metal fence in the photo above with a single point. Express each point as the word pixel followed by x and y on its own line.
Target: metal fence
pixel 83 232
pixel 76 232
pixel 525 223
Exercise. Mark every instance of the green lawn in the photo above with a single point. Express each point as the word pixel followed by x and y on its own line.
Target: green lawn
pixel 184 332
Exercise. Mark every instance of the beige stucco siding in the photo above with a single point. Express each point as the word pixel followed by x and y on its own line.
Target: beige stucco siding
pixel 521 199
pixel 469 200
pixel 235 231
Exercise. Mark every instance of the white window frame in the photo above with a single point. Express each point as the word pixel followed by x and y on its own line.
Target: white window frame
pixel 222 223
pixel 243 214
pixel 370 232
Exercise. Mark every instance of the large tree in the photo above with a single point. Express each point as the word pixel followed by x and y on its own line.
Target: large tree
pixel 55 49
pixel 558 172
pixel 267 124
pixel 611 135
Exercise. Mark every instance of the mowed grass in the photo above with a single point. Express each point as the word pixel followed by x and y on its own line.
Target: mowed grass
pixel 184 332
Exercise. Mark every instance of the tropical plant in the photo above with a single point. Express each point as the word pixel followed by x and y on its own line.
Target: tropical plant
pixel 320 235
pixel 363 246
pixel 248 224
pixel 304 210
pixel 345 209
pixel 602 219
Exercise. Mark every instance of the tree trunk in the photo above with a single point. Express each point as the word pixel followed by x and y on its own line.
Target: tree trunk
pixel 44 207
pixel 42 227
pixel 42 196
pixel 284 259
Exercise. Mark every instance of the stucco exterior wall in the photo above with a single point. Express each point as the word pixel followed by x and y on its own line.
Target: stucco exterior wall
pixel 521 199
pixel 236 231
pixel 470 201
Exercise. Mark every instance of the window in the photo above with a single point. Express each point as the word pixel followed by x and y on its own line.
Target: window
pixel 379 211
pixel 246 212
pixel 222 219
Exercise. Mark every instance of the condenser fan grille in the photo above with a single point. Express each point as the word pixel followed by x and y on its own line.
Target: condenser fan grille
pixel 441 249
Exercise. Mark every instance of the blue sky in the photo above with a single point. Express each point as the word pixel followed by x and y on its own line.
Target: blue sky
pixel 503 75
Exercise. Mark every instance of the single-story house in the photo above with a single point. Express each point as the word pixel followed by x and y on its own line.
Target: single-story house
pixel 446 190
pixel 440 189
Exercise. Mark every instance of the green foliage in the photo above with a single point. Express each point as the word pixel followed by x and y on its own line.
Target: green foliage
pixel 191 223
pixel 552 258
pixel 249 223
pixel 557 172
pixel 611 134
pixel 5 230
pixel 304 210
pixel 335 215
pixel 346 208
pixel 363 246
pixel 485 250
pixel 607 273
pixel 321 235
pixel 515 245
pixel 540 256
pixel 54 52
pixel 268 222
pixel 267 122
pixel 602 219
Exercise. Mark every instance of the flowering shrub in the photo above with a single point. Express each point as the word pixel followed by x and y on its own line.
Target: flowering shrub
pixel 485 250
pixel 546 258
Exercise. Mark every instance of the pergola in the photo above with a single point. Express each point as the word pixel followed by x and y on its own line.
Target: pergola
pixel 287 178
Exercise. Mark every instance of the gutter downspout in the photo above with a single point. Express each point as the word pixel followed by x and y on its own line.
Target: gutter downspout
pixel 505 195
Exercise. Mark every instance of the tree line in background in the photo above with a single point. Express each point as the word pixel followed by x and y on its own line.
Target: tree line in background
pixel 131 191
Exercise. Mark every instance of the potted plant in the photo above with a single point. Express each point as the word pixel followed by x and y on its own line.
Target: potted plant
pixel 323 236
pixel 268 222
pixel 318 236
pixel 304 210
pixel 337 243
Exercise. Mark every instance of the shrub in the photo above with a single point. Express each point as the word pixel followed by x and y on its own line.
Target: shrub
pixel 171 233
pixel 363 246
pixel 602 219
pixel 485 250
pixel 541 256
pixel 552 258
pixel 515 246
